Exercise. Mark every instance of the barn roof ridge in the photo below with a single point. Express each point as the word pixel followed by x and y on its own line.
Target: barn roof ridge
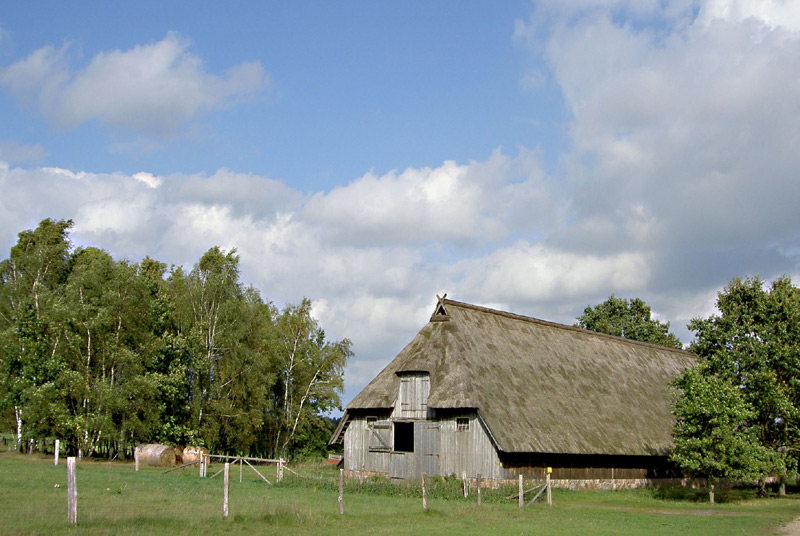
pixel 516 316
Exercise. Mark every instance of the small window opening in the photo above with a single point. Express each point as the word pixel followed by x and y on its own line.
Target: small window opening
pixel 462 424
pixel 372 420
pixel 404 436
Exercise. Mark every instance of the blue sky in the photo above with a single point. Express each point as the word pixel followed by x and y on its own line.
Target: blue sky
pixel 349 87
pixel 531 156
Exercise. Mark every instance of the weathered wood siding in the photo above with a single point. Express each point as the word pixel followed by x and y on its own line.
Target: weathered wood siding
pixel 441 447
pixel 412 398
pixel 468 449
pixel 364 444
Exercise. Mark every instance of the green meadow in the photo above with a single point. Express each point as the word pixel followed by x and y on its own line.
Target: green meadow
pixel 114 499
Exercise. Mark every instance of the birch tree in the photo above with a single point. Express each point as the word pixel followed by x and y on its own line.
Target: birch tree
pixel 30 282
pixel 310 373
pixel 105 314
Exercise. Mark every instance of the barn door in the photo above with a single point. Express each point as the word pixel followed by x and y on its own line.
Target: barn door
pixel 426 448
pixel 400 466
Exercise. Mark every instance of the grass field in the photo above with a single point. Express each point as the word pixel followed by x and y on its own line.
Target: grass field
pixel 113 499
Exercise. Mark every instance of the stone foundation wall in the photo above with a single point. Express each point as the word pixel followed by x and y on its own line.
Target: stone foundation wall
pixel 586 484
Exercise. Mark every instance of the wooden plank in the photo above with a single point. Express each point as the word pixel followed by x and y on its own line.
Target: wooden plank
pixel 72 492
pixel 549 490
pixel 226 480
pixel 178 467
pixel 223 457
pixel 424 494
pixel 544 487
pixel 524 492
pixel 341 492
pixel 256 470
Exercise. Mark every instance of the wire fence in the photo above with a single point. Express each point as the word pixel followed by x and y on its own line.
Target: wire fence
pixel 176 499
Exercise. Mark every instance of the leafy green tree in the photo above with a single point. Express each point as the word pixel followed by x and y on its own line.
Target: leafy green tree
pixel 714 436
pixel 310 375
pixel 30 284
pixel 754 345
pixel 106 354
pixel 105 316
pixel 221 331
pixel 630 319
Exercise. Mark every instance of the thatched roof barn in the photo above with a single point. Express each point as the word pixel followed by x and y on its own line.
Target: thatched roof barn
pixel 495 393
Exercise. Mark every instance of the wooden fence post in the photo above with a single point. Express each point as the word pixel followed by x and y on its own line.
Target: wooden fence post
pixel 72 492
pixel 200 465
pixel 465 483
pixel 361 475
pixel 478 484
pixel 424 494
pixel 30 447
pixel 280 470
pixel 521 490
pixel 549 489
pixel 240 470
pixel 136 459
pixel 55 454
pixel 225 491
pixel 341 491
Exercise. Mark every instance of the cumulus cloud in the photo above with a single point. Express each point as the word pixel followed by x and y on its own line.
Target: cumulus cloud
pixel 152 89
pixel 679 175
pixel 376 292
pixel 683 140
pixel 474 203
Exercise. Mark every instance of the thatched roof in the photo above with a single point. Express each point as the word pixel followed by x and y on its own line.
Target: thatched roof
pixel 540 386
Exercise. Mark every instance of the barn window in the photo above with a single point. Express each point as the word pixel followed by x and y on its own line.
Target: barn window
pixel 380 435
pixel 462 424
pixel 404 436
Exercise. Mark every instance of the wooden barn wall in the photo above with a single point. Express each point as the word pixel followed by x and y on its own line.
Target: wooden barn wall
pixel 587 466
pixel 357 440
pixel 412 396
pixel 442 447
pixel 469 451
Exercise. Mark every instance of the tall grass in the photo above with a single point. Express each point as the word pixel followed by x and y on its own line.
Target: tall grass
pixel 113 499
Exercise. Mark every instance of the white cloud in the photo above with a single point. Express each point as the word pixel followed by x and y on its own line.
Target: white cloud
pixel 679 176
pixel 11 151
pixel 153 89
pixel 535 273
pixel 681 139
pixel 148 179
pixel 774 13
pixel 462 204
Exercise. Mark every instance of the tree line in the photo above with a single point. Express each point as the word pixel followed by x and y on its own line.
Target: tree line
pixel 105 354
pixel 737 410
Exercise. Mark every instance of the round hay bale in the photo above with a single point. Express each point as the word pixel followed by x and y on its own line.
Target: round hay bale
pixel 178 454
pixel 192 454
pixel 157 455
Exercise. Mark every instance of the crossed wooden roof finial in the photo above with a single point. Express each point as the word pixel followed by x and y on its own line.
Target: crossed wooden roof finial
pixel 440 314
